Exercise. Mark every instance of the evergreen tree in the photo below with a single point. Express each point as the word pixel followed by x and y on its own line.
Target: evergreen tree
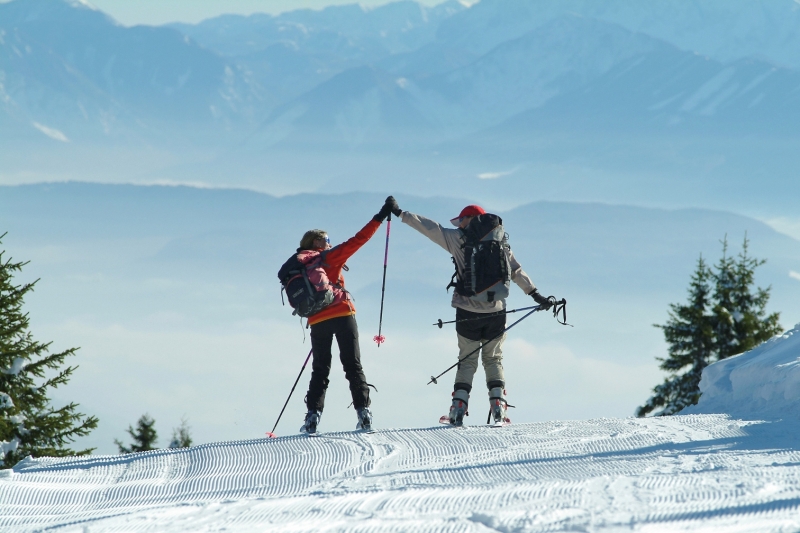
pixel 725 284
pixel 144 437
pixel 714 325
pixel 690 335
pixel 741 320
pixel 181 437
pixel 29 424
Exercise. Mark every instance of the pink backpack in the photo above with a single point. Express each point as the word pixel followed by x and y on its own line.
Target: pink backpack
pixel 306 283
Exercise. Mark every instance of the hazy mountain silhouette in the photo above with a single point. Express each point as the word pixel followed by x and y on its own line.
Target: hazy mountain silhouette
pixel 659 90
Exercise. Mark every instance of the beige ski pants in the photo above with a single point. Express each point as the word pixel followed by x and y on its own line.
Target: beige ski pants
pixel 491 356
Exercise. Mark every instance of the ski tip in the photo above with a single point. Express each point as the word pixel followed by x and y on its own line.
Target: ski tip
pixel 271 435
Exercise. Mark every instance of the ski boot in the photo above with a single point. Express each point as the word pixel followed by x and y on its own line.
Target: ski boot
pixel 312 420
pixel 364 419
pixel 458 409
pixel 499 406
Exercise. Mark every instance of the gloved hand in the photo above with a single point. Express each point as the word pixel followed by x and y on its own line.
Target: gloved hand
pixel 389 206
pixel 541 300
pixel 396 211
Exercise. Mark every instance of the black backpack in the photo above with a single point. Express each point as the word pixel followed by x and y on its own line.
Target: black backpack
pixel 307 295
pixel 487 272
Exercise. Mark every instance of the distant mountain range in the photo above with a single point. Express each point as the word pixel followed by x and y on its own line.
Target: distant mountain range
pixel 498 84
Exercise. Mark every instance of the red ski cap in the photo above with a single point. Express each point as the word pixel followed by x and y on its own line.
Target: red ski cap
pixel 469 211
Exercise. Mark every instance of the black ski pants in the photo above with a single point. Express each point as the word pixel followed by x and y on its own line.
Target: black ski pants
pixel 346 331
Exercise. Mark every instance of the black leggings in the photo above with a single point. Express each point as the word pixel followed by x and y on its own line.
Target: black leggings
pixel 346 331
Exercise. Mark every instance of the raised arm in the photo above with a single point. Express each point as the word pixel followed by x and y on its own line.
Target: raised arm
pixel 339 254
pixel 447 238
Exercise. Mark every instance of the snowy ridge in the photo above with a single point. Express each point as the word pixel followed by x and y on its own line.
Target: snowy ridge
pixel 603 474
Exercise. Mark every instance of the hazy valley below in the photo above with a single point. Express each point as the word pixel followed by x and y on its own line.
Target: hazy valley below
pixel 172 294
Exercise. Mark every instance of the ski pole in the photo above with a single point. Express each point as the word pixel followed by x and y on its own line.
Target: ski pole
pixel 380 338
pixel 271 434
pixel 557 306
pixel 487 315
pixel 433 379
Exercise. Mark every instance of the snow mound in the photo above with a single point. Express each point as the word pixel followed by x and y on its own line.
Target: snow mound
pixel 762 383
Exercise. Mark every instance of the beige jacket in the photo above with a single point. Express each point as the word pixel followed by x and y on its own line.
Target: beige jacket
pixel 452 239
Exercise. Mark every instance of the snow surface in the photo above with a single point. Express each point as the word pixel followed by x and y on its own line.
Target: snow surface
pixel 682 473
pixel 693 472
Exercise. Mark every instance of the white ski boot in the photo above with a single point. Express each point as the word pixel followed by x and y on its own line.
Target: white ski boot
pixel 458 409
pixel 499 406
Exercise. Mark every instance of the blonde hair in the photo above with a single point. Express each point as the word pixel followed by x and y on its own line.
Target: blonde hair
pixel 307 242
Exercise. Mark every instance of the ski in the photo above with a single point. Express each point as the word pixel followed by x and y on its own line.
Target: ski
pixel 445 420
pixel 322 433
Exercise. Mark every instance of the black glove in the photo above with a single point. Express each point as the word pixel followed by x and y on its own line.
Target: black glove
pixel 396 211
pixel 383 214
pixel 389 207
pixel 541 300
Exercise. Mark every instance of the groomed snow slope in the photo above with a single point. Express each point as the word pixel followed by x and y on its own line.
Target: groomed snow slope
pixel 683 473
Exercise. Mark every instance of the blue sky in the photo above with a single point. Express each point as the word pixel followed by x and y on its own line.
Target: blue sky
pixel 192 11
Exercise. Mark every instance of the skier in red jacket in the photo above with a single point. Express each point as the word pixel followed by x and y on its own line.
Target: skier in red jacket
pixel 338 319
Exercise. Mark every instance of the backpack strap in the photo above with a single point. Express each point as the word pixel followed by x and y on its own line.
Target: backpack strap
pixel 455 280
pixel 311 289
pixel 349 295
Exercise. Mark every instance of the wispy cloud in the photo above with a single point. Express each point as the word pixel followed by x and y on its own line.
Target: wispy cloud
pixel 495 175
pixel 51 132
pixel 795 275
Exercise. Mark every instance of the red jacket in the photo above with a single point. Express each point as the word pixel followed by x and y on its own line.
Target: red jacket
pixel 335 259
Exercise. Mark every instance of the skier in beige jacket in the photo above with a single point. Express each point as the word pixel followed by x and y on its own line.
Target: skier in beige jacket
pixel 478 320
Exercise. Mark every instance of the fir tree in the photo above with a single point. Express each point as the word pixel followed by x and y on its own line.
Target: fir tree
pixel 29 424
pixel 714 325
pixel 144 437
pixel 690 335
pixel 741 320
pixel 725 284
pixel 181 437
